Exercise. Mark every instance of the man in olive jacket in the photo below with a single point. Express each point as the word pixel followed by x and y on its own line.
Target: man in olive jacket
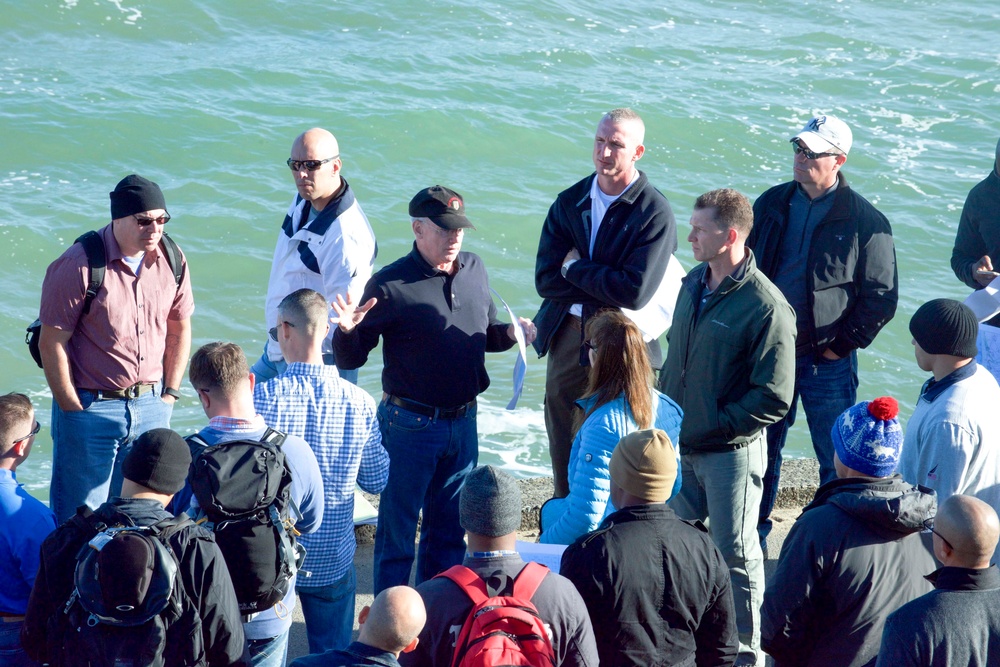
pixel 731 367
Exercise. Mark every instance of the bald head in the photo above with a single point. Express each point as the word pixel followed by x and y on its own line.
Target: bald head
pixel 394 620
pixel 319 139
pixel 317 148
pixel 971 528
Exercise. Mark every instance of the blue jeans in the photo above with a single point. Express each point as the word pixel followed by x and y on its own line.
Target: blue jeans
pixel 270 652
pixel 428 462
pixel 264 369
pixel 329 613
pixel 827 389
pixel 88 447
pixel 725 488
pixel 11 653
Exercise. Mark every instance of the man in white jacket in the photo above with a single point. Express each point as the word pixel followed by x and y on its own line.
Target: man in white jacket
pixel 325 243
pixel 952 442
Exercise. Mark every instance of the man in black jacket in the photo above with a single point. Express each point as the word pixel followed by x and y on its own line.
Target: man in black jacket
pixel 209 630
pixel 977 243
pixel 855 554
pixel 674 605
pixel 605 243
pixel 831 254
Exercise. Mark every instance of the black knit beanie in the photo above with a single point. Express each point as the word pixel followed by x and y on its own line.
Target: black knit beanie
pixel 945 326
pixel 135 194
pixel 158 459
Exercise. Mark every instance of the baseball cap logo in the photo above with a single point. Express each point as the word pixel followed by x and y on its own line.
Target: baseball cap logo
pixel 815 123
pixel 455 203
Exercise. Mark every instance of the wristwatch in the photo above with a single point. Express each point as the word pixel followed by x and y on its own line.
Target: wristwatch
pixel 170 391
pixel 565 267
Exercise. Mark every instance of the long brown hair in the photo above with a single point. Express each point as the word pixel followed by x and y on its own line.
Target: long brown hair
pixel 621 366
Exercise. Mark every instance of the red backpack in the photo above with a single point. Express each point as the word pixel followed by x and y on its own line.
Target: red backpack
pixel 502 630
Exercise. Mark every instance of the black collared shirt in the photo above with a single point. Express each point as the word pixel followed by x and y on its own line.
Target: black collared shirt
pixel 435 329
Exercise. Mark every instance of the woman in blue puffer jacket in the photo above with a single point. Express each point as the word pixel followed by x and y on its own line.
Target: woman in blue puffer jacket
pixel 620 399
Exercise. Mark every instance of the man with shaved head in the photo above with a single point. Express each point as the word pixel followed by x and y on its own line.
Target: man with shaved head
pixel 388 627
pixel 605 243
pixel 959 622
pixel 325 244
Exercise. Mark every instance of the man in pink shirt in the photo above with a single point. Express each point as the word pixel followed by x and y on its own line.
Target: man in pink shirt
pixel 114 370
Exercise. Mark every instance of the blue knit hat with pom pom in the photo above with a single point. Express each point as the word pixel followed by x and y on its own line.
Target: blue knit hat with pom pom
pixel 868 438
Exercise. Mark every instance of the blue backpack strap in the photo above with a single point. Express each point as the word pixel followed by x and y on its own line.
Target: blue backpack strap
pixel 97 261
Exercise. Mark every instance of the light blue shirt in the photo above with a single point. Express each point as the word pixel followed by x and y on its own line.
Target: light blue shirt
pixel 340 423
pixel 25 522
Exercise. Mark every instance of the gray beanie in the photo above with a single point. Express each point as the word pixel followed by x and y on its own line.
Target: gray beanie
pixel 945 326
pixel 490 503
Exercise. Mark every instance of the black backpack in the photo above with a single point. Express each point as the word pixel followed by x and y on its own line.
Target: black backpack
pixel 126 597
pixel 97 262
pixel 243 488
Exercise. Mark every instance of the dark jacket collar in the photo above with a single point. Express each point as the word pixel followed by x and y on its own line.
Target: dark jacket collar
pixel 965 579
pixel 934 388
pixel 372 653
pixel 324 218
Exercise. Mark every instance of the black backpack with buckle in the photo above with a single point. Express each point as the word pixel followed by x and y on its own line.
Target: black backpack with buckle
pixel 126 599
pixel 243 489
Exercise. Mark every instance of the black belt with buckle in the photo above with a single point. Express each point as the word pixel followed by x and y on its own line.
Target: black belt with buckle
pixel 431 411
pixel 135 391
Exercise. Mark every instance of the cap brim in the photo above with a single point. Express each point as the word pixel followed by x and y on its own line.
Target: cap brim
pixel 815 143
pixel 452 221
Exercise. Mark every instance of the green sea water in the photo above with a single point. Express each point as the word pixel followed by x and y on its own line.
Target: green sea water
pixel 496 100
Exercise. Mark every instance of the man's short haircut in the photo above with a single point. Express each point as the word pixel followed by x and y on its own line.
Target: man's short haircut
pixel 626 115
pixel 219 365
pixel 15 409
pixel 732 210
pixel 305 308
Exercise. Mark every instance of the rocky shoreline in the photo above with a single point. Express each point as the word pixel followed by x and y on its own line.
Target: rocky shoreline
pixel 799 481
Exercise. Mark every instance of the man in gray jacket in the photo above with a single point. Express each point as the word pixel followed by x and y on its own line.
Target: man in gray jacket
pixel 490 512
pixel 855 555
pixel 959 622
pixel 730 366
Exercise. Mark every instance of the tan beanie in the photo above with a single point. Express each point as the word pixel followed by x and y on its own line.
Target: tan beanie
pixel 644 464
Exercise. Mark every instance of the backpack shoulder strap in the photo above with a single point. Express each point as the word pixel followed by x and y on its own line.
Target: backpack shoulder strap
pixel 173 254
pixel 273 437
pixel 196 444
pixel 164 529
pixel 468 581
pixel 97 262
pixel 529 579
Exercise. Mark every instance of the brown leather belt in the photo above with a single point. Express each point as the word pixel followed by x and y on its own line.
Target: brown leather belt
pixel 135 391
pixel 8 617
pixel 429 410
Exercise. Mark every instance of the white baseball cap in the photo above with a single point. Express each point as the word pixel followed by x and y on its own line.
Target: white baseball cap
pixel 822 133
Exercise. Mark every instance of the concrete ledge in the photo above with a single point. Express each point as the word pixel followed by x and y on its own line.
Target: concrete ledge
pixel 799 481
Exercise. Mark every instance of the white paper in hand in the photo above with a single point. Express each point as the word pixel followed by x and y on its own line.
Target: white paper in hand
pixel 985 303
pixel 521 363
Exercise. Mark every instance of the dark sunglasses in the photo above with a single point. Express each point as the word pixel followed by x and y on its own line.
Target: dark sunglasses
pixel 34 432
pixel 796 148
pixel 589 345
pixel 311 165
pixel 929 525
pixel 146 222
pixel 273 331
